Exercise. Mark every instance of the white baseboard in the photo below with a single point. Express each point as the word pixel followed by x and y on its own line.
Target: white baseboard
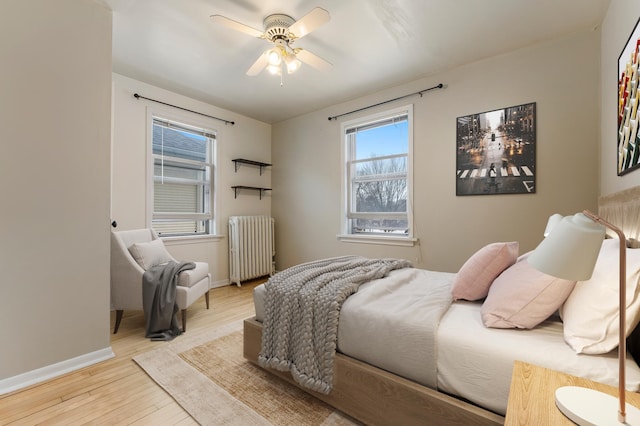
pixel 220 283
pixel 54 370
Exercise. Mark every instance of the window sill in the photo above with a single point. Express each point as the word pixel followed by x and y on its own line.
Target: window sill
pixel 191 239
pixel 378 239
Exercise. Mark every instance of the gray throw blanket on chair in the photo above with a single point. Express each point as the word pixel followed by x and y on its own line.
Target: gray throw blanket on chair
pixel 159 299
pixel 302 306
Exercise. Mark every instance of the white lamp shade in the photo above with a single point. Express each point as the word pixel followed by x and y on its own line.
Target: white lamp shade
pixel 292 64
pixel 274 69
pixel 274 57
pixel 570 251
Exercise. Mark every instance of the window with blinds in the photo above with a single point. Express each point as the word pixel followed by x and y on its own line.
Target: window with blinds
pixel 378 175
pixel 182 175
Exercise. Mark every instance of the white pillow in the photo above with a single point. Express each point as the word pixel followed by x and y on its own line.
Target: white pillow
pixel 590 314
pixel 150 254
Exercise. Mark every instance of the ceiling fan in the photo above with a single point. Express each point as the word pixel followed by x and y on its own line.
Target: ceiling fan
pixel 282 30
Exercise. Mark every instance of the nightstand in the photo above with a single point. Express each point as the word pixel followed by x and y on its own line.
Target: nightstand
pixel 532 395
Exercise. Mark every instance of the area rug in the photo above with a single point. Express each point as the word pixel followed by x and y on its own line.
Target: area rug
pixel 208 376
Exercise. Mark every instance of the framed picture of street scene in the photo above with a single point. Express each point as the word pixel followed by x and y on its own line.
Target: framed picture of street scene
pixel 496 151
pixel 628 133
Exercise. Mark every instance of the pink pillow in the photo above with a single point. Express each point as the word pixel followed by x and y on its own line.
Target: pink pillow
pixel 473 280
pixel 523 297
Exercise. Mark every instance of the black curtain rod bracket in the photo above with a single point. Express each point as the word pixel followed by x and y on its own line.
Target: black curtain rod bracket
pixel 421 92
pixel 135 95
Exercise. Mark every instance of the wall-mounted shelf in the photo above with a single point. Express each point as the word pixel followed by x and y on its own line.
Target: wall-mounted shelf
pixel 238 161
pixel 254 188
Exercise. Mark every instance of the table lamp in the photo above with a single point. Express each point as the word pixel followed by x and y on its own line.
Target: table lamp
pixel 570 252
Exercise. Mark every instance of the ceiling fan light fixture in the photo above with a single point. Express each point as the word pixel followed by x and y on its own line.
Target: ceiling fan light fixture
pixel 274 69
pixel 274 57
pixel 293 64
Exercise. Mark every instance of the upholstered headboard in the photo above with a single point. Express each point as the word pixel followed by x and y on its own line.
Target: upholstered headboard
pixel 622 209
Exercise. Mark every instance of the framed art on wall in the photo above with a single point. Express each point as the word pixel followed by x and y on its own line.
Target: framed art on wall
pixel 496 151
pixel 628 136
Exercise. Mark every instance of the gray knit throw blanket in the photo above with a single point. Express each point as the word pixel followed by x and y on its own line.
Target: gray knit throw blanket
pixel 302 306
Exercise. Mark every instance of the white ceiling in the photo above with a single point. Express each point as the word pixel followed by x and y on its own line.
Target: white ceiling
pixel 372 44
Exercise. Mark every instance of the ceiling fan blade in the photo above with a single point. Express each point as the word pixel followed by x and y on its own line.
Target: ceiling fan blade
pixel 313 60
pixel 258 65
pixel 230 23
pixel 309 22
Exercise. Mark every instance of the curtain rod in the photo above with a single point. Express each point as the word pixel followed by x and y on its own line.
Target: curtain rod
pixel 439 86
pixel 135 95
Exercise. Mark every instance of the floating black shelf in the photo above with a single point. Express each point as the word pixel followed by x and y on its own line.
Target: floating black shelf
pixel 255 188
pixel 238 161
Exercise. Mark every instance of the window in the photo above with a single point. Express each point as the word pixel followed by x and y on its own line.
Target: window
pixel 182 175
pixel 378 175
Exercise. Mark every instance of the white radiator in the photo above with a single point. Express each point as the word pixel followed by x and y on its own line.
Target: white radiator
pixel 251 247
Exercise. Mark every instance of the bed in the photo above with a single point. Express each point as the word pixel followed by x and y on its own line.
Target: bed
pixel 377 384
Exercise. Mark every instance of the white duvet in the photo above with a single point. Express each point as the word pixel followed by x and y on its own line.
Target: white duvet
pixel 387 323
pixel 413 301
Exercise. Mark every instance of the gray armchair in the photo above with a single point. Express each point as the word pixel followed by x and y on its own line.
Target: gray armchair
pixel 126 273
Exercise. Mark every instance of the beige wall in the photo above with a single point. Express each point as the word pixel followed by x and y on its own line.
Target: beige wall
pixel 248 138
pixel 55 82
pixel 562 77
pixel 616 28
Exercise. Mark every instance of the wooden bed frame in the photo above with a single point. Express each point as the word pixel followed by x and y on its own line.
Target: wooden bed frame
pixel 375 396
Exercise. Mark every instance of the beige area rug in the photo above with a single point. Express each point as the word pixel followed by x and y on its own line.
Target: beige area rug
pixel 208 376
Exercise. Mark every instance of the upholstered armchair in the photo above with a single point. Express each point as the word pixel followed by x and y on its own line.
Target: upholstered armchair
pixel 127 271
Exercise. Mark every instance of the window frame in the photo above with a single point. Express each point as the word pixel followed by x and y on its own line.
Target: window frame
pixel 347 201
pixel 207 126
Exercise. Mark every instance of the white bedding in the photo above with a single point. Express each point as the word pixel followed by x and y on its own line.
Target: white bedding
pixel 412 310
pixel 473 362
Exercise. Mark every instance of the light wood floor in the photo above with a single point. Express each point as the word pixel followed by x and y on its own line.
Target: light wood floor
pixel 117 391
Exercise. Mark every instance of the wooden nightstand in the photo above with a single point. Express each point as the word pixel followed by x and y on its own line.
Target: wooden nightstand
pixel 532 395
